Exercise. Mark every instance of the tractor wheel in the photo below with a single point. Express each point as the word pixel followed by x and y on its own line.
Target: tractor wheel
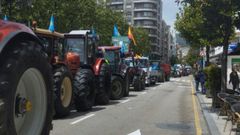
pixel 126 86
pixel 117 88
pixel 84 90
pixel 143 86
pixel 63 91
pixel 25 90
pixel 104 85
pixel 137 83
pixel 167 78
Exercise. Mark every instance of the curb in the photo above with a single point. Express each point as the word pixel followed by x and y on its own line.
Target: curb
pixel 211 125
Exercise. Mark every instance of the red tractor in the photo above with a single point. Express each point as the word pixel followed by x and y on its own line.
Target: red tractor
pixel 119 70
pixel 25 82
pixel 92 81
pixel 64 67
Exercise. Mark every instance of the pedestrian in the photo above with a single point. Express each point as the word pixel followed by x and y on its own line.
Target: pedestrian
pixel 202 79
pixel 234 79
pixel 197 80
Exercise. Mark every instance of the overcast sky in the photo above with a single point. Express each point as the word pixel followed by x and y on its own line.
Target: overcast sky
pixel 170 9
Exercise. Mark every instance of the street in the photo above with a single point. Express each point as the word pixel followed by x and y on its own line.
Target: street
pixel 163 109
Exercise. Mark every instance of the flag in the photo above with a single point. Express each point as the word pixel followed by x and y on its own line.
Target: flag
pixel 51 26
pixel 5 18
pixel 115 31
pixel 94 34
pixel 130 35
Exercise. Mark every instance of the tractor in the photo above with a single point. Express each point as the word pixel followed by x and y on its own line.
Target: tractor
pixel 64 67
pixel 137 75
pixel 119 70
pixel 26 93
pixel 92 82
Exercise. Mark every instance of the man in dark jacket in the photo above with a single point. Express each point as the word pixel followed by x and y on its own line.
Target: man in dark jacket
pixel 234 79
pixel 197 80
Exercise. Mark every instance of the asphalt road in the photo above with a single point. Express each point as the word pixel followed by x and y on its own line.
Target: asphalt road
pixel 163 109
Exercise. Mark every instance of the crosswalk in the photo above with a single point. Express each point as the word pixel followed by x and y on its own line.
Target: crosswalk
pixel 180 80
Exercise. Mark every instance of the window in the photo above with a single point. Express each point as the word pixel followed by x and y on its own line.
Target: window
pixel 76 45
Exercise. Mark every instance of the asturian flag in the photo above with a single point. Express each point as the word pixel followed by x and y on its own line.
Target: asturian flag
pixel 115 31
pixel 5 18
pixel 51 26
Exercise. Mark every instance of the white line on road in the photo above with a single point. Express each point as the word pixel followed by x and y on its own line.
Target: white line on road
pixel 125 101
pixel 84 118
pixel 143 93
pixel 137 132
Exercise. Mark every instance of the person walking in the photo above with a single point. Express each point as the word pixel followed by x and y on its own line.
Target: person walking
pixel 202 79
pixel 197 80
pixel 234 79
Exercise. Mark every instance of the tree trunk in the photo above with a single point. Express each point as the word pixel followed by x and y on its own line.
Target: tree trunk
pixel 207 55
pixel 224 61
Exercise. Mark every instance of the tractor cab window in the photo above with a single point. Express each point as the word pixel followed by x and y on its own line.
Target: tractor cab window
pixel 76 45
pixel 58 47
pixel 129 63
pixel 142 63
pixel 90 48
pixel 110 57
pixel 155 65
pixel 47 43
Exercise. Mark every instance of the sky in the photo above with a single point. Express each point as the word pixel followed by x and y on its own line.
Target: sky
pixel 170 9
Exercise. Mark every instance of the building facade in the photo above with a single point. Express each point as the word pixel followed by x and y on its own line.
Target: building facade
pixel 146 14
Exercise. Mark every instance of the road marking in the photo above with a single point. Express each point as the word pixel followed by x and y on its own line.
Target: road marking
pixel 137 132
pixel 143 93
pixel 1 104
pixel 125 101
pixel 196 115
pixel 84 118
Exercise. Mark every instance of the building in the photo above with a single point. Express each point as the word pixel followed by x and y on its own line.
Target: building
pixel 146 14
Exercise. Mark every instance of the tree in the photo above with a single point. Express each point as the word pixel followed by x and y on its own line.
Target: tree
pixel 219 19
pixel 142 40
pixel 69 15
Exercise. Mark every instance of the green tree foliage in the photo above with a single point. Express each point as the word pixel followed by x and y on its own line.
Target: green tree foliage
pixel 192 56
pixel 69 15
pixel 217 22
pixel 142 40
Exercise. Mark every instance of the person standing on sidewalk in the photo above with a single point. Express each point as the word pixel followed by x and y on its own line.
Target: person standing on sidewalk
pixel 197 80
pixel 234 79
pixel 202 81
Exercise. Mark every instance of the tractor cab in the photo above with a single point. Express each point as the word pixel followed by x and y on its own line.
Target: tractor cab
pixel 112 55
pixel 57 52
pixel 84 44
pixel 52 42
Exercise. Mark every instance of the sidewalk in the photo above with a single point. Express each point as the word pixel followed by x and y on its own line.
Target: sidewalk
pixel 215 124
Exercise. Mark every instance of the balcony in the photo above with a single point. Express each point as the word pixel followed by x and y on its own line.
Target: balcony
pixel 138 9
pixel 145 18
pixel 153 35
pixel 116 2
pixel 146 1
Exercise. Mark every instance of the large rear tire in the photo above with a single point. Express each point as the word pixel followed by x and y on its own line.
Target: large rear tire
pixel 25 90
pixel 117 88
pixel 104 85
pixel 126 85
pixel 84 90
pixel 137 83
pixel 63 91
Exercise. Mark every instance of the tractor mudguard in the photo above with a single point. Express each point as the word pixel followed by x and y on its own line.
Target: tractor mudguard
pixel 10 31
pixel 97 65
